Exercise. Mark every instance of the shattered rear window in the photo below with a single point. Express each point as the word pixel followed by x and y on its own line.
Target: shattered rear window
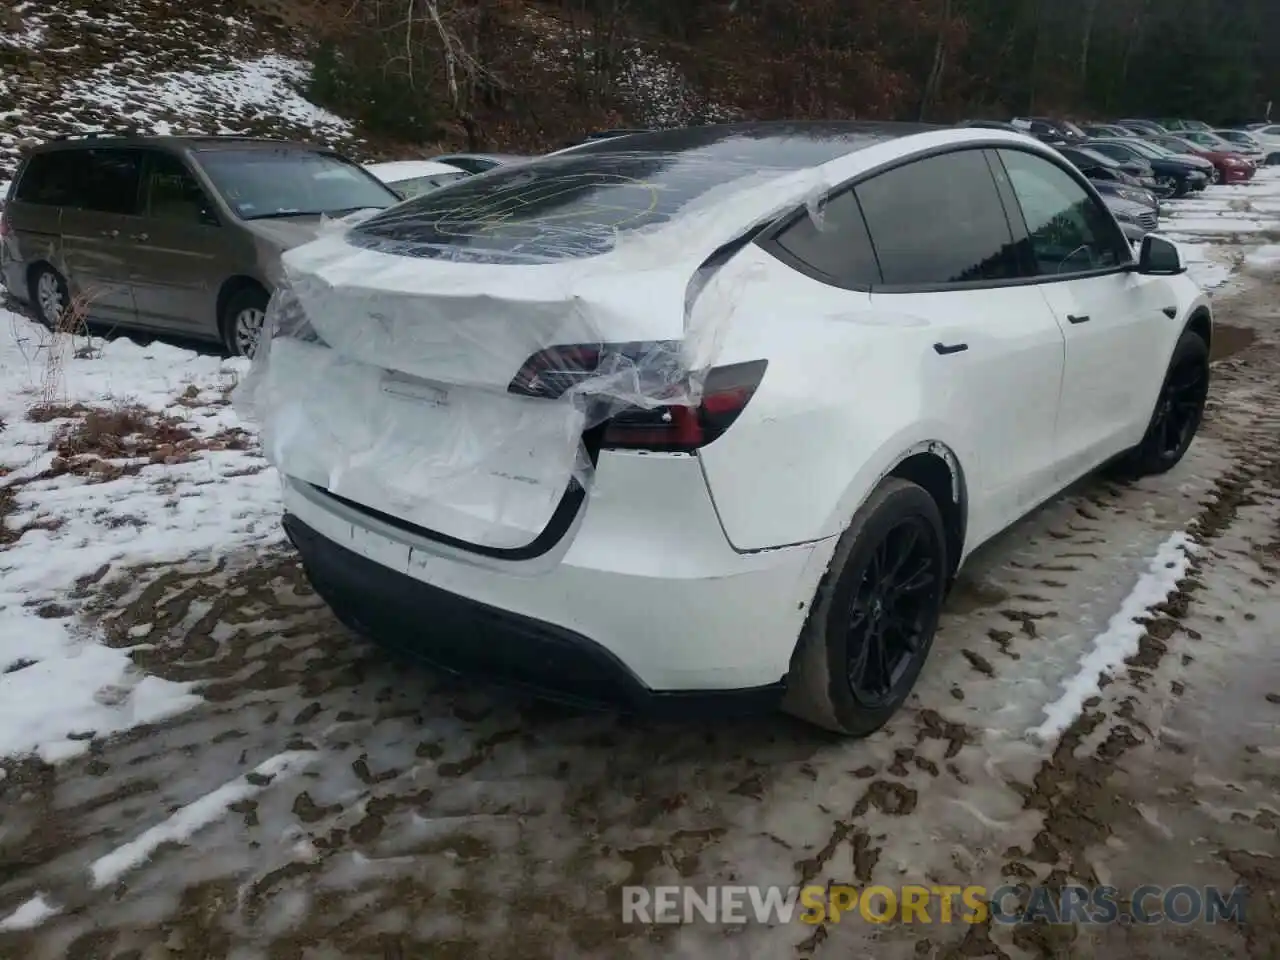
pixel 579 204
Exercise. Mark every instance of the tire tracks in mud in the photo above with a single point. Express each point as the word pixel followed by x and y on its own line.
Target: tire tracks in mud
pixel 1009 620
pixel 1071 790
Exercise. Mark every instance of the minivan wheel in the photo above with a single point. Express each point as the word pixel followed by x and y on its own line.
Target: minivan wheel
pixel 874 615
pixel 1178 412
pixel 50 296
pixel 242 321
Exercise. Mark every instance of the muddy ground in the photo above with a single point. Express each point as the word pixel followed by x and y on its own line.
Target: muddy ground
pixel 427 818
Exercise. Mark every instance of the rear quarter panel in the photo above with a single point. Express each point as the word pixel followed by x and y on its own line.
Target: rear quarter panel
pixel 33 237
pixel 840 405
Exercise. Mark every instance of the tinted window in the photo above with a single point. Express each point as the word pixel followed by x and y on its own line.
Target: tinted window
pixel 1111 150
pixel 1070 232
pixel 835 244
pixel 939 220
pixel 172 192
pixel 111 182
pixel 288 182
pixel 51 178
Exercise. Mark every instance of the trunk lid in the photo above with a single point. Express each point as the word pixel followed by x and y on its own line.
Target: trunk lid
pixel 387 383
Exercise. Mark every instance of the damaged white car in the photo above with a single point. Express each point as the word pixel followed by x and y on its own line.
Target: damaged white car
pixel 710 417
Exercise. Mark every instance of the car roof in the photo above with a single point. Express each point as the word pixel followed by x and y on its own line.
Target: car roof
pixel 794 144
pixel 203 143
pixel 392 171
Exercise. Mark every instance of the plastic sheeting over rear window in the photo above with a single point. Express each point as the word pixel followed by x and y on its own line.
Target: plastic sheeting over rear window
pixel 583 203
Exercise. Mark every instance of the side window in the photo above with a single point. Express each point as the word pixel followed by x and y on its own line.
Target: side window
pixel 836 245
pixel 939 220
pixel 111 181
pixel 1069 231
pixel 172 193
pixel 52 178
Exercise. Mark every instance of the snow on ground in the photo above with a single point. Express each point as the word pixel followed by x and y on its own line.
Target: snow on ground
pixel 110 453
pixel 1119 641
pixel 267 85
pixel 155 66
pixel 1264 259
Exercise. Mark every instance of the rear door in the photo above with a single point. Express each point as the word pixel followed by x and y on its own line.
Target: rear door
pixel 1111 316
pixel 100 215
pixel 992 353
pixel 179 250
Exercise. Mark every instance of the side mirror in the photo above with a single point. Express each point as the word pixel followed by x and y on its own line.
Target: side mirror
pixel 1160 258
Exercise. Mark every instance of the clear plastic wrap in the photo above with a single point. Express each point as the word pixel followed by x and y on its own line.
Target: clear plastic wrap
pixel 445 361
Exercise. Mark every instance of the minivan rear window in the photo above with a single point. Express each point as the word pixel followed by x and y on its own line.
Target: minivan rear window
pixel 102 179
pixel 578 204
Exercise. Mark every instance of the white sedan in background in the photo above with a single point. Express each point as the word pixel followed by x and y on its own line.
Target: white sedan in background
pixel 412 178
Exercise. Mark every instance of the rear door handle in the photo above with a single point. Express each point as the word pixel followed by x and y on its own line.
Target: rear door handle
pixel 111 234
pixel 1074 319
pixel 141 237
pixel 945 348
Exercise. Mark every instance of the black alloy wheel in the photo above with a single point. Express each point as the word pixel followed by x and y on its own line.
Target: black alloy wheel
pixel 1180 408
pixel 873 617
pixel 891 608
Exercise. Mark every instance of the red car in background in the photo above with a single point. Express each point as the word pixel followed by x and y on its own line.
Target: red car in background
pixel 1228 167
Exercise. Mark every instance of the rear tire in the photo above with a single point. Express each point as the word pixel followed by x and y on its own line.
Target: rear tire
pixel 242 321
pixel 49 296
pixel 874 615
pixel 1178 412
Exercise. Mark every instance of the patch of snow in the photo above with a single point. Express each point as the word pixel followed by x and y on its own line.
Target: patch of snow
pixel 63 686
pixel 1265 259
pixel 186 821
pixel 1120 639
pixel 1208 265
pixel 29 916
pixel 267 84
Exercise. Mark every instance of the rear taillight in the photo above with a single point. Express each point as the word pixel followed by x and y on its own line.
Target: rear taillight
pixel 4 225
pixel 648 372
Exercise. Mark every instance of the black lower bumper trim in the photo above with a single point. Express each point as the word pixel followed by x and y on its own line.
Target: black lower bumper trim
pixel 469 638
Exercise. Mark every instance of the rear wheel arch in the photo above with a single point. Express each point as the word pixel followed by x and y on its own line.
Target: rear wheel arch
pixel 935 467
pixel 232 286
pixel 33 270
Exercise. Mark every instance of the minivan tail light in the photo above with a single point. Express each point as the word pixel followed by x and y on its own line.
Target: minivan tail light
pixel 674 427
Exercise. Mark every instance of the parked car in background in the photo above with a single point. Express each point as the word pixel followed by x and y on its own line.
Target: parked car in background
pixel 1228 167
pixel 1143 127
pixel 1269 136
pixel 990 125
pixel 913 361
pixel 1144 198
pixel 1177 176
pixel 480 162
pixel 1098 166
pixel 179 235
pixel 1243 143
pixel 411 178
pixel 1107 130
pixel 1135 219
pixel 1049 130
pixel 1180 126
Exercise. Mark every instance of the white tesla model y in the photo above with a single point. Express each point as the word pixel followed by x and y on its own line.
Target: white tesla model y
pixel 710 417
